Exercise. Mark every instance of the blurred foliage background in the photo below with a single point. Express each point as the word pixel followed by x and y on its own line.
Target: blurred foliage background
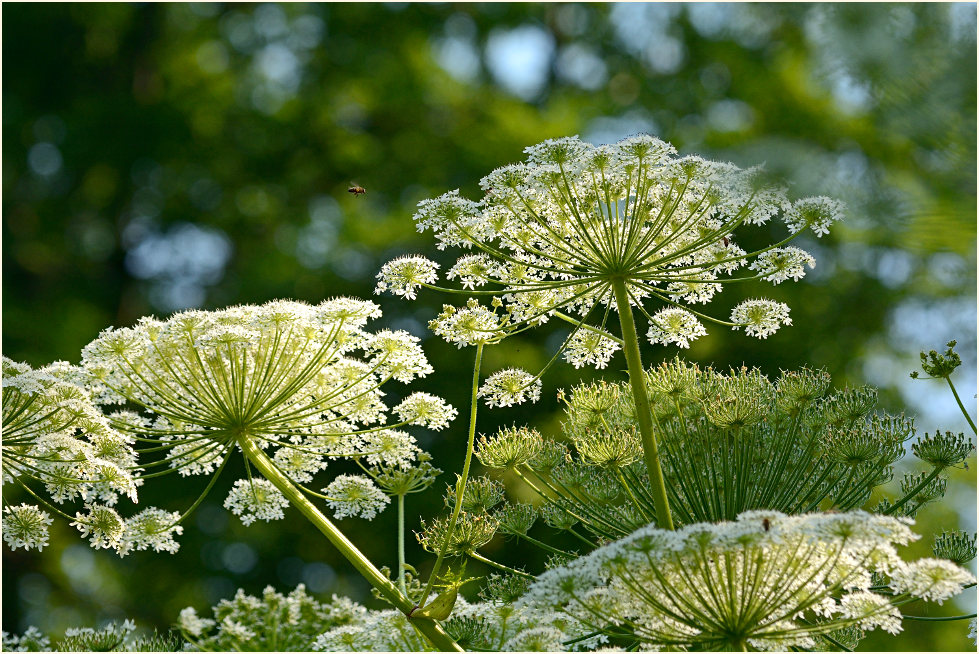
pixel 164 156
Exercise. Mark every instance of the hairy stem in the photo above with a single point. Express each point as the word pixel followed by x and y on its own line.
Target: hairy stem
pixel 637 378
pixel 431 629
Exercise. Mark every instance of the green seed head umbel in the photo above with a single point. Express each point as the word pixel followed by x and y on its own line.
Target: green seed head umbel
pixel 939 365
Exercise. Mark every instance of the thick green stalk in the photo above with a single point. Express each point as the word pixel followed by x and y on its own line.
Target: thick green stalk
pixel 461 482
pixel 637 377
pixel 401 545
pixel 431 629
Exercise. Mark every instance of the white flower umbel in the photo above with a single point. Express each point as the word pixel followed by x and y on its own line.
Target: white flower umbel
pixel 426 410
pixel 554 233
pixel 817 213
pixel 509 387
pixel 404 276
pixel 673 325
pixel 767 580
pixel 760 318
pixel 25 526
pixel 152 528
pixel 586 347
pixel 54 434
pixel 256 499
pixel 355 495
pixel 284 375
pixel 103 524
pixel 780 264
pixel 586 230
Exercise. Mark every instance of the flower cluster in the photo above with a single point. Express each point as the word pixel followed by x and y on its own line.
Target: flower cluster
pixel 283 377
pixel 766 580
pixel 554 234
pixel 55 435
pixel 485 626
pixel 729 442
pixel 271 623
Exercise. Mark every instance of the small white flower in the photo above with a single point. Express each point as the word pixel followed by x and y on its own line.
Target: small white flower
pixel 779 264
pixel 818 212
pixel 192 624
pixel 236 630
pixel 103 523
pixel 467 325
pixel 355 495
pixel 586 347
pixel 405 275
pixel 154 528
pixel 426 410
pixel 933 580
pixel 760 318
pixel 674 325
pixel 256 499
pixel 473 270
pixel 25 526
pixel 509 387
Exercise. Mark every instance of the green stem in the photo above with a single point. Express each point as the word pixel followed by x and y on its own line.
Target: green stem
pixel 637 378
pixel 914 491
pixel 461 482
pixel 500 566
pixel 961 407
pixel 401 545
pixel 939 619
pixel 431 629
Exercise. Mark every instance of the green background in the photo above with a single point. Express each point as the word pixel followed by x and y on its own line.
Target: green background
pixel 162 156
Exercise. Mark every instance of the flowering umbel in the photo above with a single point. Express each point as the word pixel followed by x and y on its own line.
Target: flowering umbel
pixel 766 580
pixel 283 377
pixel 553 234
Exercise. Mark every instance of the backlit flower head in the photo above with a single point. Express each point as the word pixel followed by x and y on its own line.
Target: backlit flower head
pixel 555 234
pixel 302 382
pixel 55 435
pixel 509 387
pixel 355 495
pixel 786 580
pixel 256 499
pixel 25 526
